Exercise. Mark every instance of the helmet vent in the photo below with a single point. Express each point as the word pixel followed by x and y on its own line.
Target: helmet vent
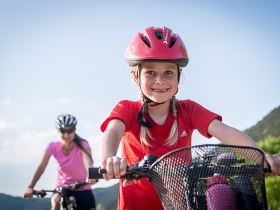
pixel 159 34
pixel 172 42
pixel 145 40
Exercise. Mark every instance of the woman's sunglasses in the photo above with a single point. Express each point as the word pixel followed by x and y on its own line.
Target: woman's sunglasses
pixel 69 131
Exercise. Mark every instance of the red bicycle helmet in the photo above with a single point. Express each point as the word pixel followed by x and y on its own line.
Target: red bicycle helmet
pixel 156 44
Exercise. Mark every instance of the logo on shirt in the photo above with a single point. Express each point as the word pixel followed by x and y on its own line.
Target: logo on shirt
pixel 184 133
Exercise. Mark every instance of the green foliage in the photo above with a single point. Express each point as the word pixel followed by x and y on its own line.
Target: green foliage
pixel 272 185
pixel 271 145
pixel 100 207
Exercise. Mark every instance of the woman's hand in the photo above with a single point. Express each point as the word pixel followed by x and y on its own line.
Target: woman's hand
pixel 28 193
pixel 274 162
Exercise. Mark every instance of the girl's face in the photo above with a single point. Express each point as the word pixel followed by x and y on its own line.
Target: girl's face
pixel 67 134
pixel 159 80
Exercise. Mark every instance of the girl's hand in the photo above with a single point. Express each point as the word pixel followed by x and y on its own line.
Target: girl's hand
pixel 115 167
pixel 28 193
pixel 274 162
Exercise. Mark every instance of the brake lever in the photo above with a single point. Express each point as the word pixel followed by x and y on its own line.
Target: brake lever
pixel 141 169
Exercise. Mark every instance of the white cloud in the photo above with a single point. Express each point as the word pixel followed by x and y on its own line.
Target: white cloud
pixel 6 102
pixel 23 147
pixel 61 102
pixel 4 126
pixel 25 123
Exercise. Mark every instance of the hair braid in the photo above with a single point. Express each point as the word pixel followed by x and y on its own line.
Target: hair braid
pixel 173 136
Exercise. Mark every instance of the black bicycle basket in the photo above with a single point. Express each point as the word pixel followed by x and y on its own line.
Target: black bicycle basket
pixel 210 177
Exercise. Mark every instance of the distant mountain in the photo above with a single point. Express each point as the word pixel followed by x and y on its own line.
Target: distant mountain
pixel 269 125
pixel 108 197
pixel 8 202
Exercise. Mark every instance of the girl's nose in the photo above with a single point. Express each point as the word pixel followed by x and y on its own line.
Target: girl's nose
pixel 160 79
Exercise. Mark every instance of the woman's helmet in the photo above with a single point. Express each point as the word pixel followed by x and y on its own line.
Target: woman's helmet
pixel 156 44
pixel 65 120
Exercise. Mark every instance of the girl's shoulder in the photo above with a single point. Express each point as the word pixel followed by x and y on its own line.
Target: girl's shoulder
pixel 131 103
pixel 187 103
pixel 128 105
pixel 188 106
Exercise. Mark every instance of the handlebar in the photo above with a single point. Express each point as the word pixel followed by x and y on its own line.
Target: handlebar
pixel 184 173
pixel 76 186
pixel 224 165
pixel 139 170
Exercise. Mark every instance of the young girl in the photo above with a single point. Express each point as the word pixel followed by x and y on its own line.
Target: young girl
pixel 158 123
pixel 73 156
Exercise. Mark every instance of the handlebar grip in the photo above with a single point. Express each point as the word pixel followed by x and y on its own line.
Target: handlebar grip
pixel 40 193
pixel 95 173
pixel 267 170
pixel 131 173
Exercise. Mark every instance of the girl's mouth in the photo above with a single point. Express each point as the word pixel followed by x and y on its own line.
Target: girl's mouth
pixel 160 90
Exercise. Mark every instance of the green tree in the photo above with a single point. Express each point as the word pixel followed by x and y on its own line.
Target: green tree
pixel 271 145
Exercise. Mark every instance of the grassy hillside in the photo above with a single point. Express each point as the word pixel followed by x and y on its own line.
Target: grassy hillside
pixel 108 196
pixel 269 125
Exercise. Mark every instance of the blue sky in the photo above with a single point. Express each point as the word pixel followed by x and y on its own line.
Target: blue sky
pixel 67 56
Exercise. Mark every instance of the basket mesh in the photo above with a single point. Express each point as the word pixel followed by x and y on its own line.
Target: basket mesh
pixel 180 178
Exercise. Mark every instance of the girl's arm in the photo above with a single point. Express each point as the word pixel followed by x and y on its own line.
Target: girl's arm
pixel 229 135
pixel 232 136
pixel 110 141
pixel 38 173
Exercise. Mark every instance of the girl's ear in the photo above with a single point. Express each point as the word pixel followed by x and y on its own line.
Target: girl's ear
pixel 180 74
pixel 135 75
pixel 135 78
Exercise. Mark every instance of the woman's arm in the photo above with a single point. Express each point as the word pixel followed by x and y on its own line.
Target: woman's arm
pixel 38 173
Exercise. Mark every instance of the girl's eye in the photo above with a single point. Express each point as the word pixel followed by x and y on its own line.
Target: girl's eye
pixel 150 72
pixel 169 73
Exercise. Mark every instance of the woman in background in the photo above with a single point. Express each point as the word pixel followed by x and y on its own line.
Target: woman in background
pixel 73 156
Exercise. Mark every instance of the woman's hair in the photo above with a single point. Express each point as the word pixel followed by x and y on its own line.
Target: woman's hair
pixel 173 135
pixel 78 141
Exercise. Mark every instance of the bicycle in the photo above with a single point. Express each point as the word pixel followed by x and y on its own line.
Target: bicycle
pixel 68 202
pixel 183 177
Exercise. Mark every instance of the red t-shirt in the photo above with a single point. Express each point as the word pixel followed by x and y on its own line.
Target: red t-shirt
pixel 190 116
